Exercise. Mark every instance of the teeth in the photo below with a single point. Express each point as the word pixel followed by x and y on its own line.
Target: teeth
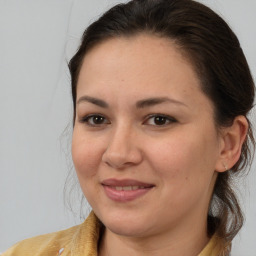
pixel 127 188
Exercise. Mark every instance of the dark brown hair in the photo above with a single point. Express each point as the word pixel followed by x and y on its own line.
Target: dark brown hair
pixel 214 51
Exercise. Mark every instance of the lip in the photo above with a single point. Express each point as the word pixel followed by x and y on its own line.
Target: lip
pixel 110 185
pixel 125 182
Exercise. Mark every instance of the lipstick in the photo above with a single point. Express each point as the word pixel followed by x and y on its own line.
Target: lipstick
pixel 125 190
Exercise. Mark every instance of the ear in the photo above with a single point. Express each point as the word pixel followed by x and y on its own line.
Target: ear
pixel 231 141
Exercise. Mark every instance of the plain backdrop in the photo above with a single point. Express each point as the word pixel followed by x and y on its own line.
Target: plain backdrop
pixel 37 38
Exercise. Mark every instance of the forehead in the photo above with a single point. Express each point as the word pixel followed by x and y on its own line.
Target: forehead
pixel 138 66
pixel 137 54
pixel 142 48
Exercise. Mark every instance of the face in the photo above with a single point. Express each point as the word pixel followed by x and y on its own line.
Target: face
pixel 145 145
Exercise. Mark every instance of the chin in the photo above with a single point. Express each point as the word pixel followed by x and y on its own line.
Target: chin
pixel 126 225
pixel 127 230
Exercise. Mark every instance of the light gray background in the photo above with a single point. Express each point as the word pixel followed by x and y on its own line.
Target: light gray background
pixel 37 37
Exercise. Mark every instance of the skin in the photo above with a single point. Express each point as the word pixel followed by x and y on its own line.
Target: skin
pixel 181 157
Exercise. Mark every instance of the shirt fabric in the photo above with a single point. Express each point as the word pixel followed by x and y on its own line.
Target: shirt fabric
pixel 81 240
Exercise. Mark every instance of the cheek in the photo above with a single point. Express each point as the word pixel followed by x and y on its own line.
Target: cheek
pixel 172 156
pixel 85 156
pixel 183 159
pixel 184 171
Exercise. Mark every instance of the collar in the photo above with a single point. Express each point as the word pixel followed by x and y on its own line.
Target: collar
pixel 85 240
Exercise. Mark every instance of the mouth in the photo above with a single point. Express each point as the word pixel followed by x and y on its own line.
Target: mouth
pixel 125 190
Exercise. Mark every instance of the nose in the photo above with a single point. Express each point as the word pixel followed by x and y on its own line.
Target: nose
pixel 123 149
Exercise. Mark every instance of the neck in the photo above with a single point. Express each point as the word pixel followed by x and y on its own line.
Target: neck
pixel 171 243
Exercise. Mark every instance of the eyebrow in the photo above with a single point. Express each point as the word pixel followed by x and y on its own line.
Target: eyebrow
pixel 95 101
pixel 139 104
pixel 155 101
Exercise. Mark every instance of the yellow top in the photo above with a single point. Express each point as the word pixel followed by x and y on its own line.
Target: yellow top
pixel 80 240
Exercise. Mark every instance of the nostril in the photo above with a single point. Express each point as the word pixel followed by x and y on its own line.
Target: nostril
pixel 121 161
pixel 121 151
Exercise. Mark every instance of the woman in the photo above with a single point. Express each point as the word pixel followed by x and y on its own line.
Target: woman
pixel 161 92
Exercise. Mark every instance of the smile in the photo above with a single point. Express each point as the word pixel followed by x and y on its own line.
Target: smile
pixel 125 190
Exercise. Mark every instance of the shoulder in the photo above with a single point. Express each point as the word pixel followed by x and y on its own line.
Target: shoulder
pixel 78 240
pixel 48 244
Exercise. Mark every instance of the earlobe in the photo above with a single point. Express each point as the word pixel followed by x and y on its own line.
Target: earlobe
pixel 232 139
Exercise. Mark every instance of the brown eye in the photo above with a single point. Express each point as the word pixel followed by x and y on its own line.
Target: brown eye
pixel 160 120
pixel 95 120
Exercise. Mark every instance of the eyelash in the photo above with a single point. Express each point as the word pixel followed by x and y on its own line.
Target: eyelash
pixel 162 117
pixel 167 118
pixel 87 119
